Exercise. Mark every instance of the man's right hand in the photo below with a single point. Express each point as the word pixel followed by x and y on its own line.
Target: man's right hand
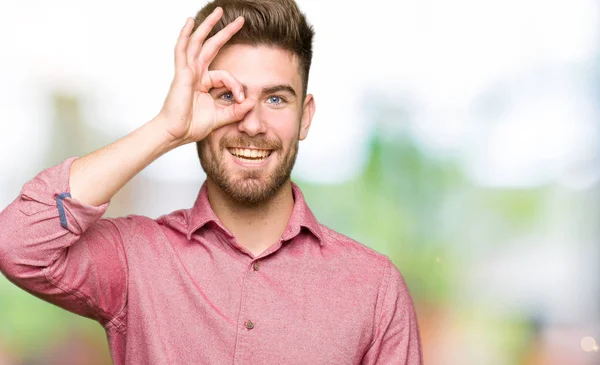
pixel 189 113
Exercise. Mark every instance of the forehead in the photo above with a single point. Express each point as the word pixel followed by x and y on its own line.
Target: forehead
pixel 259 66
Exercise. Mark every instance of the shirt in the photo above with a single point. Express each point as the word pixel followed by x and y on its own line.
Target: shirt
pixel 179 289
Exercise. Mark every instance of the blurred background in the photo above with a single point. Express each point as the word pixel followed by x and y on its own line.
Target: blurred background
pixel 460 138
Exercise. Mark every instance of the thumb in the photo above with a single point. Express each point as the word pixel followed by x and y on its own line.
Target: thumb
pixel 235 112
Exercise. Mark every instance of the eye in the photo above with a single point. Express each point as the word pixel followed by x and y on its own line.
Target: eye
pixel 275 100
pixel 226 97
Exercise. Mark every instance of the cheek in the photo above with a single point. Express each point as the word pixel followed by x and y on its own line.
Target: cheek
pixel 214 138
pixel 212 144
pixel 285 124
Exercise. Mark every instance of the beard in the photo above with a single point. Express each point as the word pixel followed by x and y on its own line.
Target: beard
pixel 252 187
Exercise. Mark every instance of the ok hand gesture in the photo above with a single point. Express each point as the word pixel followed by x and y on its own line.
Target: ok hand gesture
pixel 189 112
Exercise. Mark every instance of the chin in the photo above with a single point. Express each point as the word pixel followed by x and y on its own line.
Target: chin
pixel 251 191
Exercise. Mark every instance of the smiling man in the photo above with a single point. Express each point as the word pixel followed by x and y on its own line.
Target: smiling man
pixel 245 276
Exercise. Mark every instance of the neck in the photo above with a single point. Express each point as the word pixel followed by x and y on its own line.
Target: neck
pixel 255 227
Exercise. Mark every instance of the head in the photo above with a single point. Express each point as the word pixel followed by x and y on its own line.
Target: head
pixel 251 160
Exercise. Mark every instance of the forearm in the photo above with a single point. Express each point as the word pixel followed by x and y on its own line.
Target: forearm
pixel 98 176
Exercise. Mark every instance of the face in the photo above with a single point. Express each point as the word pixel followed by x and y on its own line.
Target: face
pixel 252 159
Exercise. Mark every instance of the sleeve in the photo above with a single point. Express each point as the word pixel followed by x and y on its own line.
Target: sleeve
pixel 396 340
pixel 61 251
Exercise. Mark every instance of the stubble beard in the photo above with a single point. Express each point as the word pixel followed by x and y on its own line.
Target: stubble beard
pixel 253 187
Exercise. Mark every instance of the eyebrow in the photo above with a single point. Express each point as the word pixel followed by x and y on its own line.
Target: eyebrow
pixel 271 89
pixel 275 89
pixel 279 88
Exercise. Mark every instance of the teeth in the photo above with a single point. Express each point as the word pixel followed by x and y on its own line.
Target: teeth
pixel 246 153
pixel 248 160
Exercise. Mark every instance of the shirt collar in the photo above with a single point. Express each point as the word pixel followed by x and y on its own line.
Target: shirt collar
pixel 202 213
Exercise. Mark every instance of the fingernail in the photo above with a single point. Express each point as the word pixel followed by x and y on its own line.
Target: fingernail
pixel 241 96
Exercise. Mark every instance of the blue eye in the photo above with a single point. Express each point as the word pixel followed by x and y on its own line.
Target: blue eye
pixel 275 100
pixel 228 96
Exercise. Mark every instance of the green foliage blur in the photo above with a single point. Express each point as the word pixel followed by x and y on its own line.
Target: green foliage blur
pixel 420 210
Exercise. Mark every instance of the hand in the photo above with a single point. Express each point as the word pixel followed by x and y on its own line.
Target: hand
pixel 189 112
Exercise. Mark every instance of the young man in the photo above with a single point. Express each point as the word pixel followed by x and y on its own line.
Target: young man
pixel 247 275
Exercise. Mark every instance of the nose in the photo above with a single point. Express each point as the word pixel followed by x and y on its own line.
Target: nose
pixel 253 123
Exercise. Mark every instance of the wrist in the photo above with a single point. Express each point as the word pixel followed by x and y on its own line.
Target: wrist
pixel 158 126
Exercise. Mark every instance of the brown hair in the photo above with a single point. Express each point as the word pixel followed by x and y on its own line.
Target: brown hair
pixel 267 22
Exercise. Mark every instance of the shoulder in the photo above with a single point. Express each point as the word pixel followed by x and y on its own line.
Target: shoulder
pixel 355 253
pixel 379 267
pixel 376 269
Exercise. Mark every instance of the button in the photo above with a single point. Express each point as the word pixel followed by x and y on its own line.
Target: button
pixel 256 266
pixel 249 325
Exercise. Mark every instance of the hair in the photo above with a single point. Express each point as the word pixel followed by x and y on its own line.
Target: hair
pixel 277 23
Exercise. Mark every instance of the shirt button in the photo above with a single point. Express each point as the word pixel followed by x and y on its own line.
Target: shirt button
pixel 249 325
pixel 256 266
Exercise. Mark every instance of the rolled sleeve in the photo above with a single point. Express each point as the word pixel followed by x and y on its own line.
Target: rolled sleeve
pixel 50 189
pixel 77 216
pixel 61 250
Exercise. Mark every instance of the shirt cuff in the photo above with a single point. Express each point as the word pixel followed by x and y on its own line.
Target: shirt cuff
pixel 49 189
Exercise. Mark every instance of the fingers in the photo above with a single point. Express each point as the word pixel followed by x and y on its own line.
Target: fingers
pixel 182 43
pixel 221 78
pixel 211 47
pixel 234 113
pixel 201 32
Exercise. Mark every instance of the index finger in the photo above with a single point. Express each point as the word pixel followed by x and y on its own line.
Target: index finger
pixel 212 46
pixel 202 32
pixel 181 45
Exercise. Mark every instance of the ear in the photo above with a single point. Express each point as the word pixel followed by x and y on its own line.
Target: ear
pixel 308 111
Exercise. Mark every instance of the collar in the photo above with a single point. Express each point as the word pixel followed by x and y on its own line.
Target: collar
pixel 202 213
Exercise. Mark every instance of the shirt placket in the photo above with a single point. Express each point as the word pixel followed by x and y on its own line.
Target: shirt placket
pixel 248 323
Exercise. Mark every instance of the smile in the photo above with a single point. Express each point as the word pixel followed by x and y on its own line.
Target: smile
pixel 250 155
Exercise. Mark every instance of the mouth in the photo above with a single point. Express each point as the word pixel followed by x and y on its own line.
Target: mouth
pixel 249 155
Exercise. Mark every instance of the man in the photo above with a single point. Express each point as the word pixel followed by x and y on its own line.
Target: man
pixel 247 275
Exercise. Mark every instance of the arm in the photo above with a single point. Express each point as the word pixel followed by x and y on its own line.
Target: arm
pixel 397 340
pixel 52 241
pixel 48 251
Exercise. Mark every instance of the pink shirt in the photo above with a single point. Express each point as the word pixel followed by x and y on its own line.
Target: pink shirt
pixel 180 290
